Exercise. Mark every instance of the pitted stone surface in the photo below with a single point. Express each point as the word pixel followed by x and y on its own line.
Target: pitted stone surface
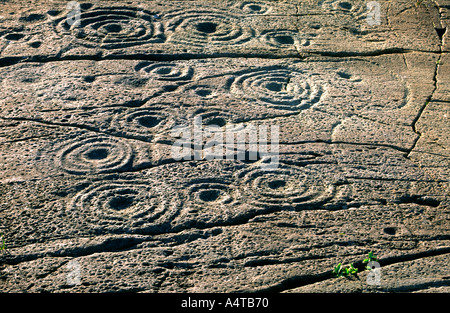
pixel 93 198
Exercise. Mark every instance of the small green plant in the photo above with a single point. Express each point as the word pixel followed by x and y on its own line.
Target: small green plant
pixel 351 271
pixel 337 271
pixel 370 258
pixel 340 271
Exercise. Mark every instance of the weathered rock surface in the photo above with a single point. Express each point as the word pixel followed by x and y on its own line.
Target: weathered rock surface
pixel 93 199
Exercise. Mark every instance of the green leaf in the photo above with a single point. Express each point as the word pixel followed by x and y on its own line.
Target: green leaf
pixel 370 257
pixel 337 271
pixel 351 270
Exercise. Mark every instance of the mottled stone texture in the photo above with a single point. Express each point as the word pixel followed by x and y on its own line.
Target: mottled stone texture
pixel 92 198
